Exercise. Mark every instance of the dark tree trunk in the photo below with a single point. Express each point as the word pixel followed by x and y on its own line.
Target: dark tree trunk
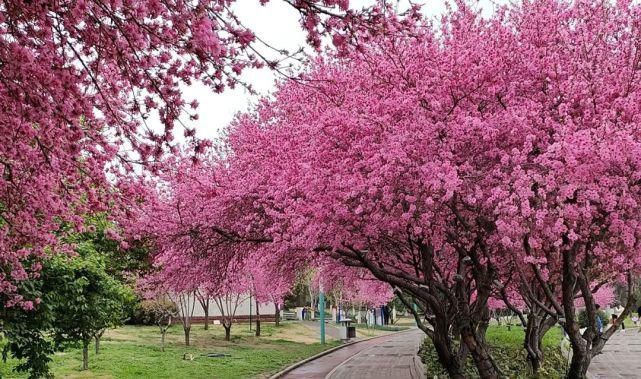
pixel 187 330
pixel 482 360
pixel 97 337
pixel 206 310
pixel 227 331
pixel 85 354
pixel 276 314
pixel 532 346
pixel 443 346
pixel 257 319
pixel 482 330
pixel 473 337
pixel 473 323
pixel 579 364
pixel 535 330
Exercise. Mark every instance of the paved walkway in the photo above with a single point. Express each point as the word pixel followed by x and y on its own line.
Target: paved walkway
pixel 621 357
pixel 392 356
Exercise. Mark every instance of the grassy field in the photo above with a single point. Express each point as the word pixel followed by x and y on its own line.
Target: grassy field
pixel 134 352
pixel 509 354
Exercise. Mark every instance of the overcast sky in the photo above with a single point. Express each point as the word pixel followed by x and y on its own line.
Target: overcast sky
pixel 277 24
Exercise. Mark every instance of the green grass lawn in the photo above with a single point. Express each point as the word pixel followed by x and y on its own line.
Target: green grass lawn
pixel 134 352
pixel 509 354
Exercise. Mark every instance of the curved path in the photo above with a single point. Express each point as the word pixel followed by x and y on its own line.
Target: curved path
pixel 391 356
pixel 621 357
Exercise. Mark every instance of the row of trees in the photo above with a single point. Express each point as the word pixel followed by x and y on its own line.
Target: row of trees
pixel 71 302
pixel 489 157
pixel 191 268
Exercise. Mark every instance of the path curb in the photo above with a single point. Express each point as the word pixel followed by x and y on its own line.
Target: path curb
pixel 325 352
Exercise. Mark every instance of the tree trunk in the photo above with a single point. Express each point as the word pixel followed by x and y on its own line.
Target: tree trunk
pixel 532 346
pixel 482 360
pixel 257 319
pixel 227 332
pixel 187 331
pixel 97 337
pixel 276 314
pixel 579 364
pixel 206 310
pixel 535 330
pixel 443 346
pixel 85 354
pixel 162 340
pixel 482 330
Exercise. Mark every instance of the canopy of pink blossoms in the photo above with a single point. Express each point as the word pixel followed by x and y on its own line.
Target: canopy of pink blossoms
pixel 78 82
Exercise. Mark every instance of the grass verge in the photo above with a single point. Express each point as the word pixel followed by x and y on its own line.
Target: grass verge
pixel 134 352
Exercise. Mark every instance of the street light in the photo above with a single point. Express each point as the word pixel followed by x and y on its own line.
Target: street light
pixel 321 306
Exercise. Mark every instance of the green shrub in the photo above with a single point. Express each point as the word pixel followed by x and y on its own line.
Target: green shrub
pixel 150 312
pixel 583 318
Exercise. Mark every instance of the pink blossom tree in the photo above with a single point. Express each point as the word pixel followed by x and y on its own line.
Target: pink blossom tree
pixel 569 209
pixel 177 283
pixel 348 286
pixel 204 299
pixel 228 295
pixel 79 81
pixel 271 279
pixel 378 187
pixel 604 296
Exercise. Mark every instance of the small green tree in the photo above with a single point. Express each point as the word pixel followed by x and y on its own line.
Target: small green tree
pixel 26 332
pixel 79 301
pixel 160 313
pixel 89 301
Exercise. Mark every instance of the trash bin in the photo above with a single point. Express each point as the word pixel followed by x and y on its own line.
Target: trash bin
pixel 346 331
pixel 351 332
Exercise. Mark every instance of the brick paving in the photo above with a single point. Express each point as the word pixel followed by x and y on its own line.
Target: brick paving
pixel 392 356
pixel 621 357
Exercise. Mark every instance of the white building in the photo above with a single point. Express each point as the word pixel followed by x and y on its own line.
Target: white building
pixel 245 306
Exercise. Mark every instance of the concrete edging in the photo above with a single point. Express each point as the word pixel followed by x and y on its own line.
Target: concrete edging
pixel 325 352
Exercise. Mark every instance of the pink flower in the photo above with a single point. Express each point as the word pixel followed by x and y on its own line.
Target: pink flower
pixel 27 305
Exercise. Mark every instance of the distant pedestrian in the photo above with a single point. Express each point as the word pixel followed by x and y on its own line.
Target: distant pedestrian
pixel 599 322
pixel 303 313
pixel 614 320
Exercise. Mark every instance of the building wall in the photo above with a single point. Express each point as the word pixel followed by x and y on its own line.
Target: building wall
pixel 244 307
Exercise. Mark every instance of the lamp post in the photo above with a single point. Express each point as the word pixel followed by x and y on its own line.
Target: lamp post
pixel 321 306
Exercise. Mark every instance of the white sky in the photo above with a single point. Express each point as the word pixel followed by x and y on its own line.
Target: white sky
pixel 277 24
